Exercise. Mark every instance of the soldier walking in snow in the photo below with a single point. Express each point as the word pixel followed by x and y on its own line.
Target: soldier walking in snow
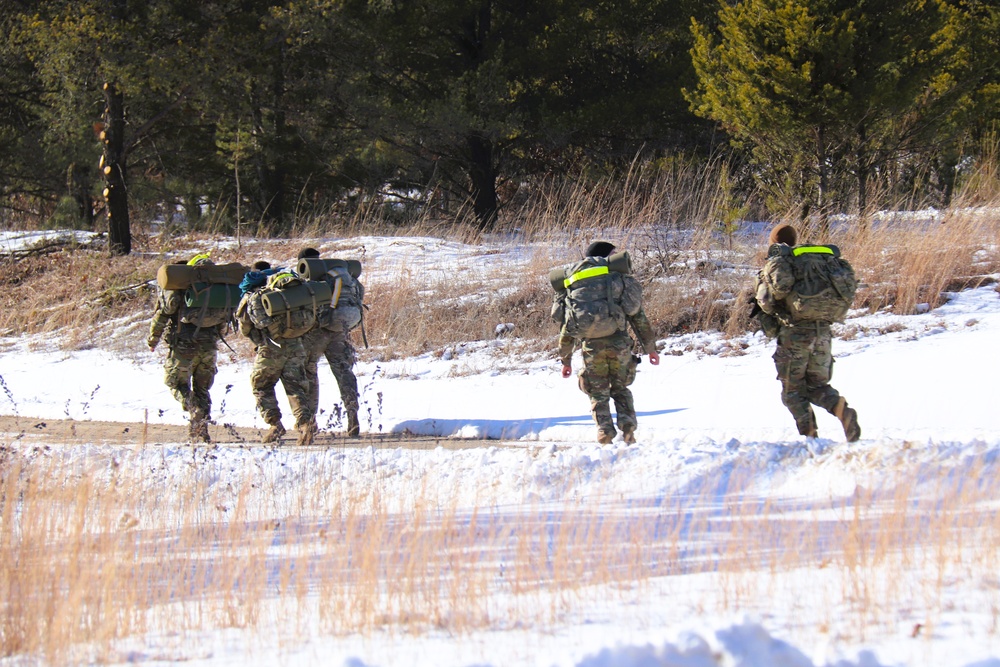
pixel 330 338
pixel 192 332
pixel 279 352
pixel 800 291
pixel 595 301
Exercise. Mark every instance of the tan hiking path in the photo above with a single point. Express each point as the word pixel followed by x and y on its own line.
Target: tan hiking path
pixel 14 428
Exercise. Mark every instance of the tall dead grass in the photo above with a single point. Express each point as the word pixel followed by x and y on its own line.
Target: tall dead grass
pixel 95 552
pixel 695 260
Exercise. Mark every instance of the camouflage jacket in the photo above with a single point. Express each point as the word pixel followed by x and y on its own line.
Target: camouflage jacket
pixel 640 325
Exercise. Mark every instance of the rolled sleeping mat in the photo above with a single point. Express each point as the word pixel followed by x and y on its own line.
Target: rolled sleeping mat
pixel 558 279
pixel 310 294
pixel 182 276
pixel 314 267
pixel 212 295
pixel 620 262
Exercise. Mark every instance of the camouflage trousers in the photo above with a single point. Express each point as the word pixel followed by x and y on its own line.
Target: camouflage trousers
pixel 285 362
pixel 189 372
pixel 339 353
pixel 804 362
pixel 608 369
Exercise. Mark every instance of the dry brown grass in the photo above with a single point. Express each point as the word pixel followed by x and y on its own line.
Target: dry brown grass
pixel 94 552
pixel 696 274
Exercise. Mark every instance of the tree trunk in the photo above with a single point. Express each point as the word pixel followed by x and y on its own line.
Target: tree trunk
pixel 113 169
pixel 483 174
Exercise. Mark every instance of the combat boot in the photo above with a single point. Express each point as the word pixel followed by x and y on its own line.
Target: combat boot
pixel 307 432
pixel 604 437
pixel 353 427
pixel 198 430
pixel 849 418
pixel 275 433
pixel 628 435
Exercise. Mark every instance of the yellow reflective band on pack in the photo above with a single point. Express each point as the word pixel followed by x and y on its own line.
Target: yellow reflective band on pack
pixel 586 273
pixel 197 258
pixel 279 276
pixel 820 249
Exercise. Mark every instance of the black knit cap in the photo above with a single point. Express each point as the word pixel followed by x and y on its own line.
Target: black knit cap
pixel 599 249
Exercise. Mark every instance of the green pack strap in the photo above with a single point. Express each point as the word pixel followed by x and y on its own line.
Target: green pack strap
pixel 586 273
pixel 819 249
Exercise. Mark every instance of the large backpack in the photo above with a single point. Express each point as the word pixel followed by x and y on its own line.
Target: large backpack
pixel 596 296
pixel 289 305
pixel 825 283
pixel 345 311
pixel 209 304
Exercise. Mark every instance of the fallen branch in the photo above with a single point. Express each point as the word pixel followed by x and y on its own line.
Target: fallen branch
pixel 48 247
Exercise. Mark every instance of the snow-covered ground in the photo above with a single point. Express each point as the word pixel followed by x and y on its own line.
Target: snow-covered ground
pixel 925 387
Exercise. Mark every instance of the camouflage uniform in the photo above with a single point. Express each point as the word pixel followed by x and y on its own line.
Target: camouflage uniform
pixel 609 367
pixel 803 356
pixel 281 359
pixel 190 367
pixel 336 347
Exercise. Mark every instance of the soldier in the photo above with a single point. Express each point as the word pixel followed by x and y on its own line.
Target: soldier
pixel 192 334
pixel 611 300
pixel 334 343
pixel 279 353
pixel 803 356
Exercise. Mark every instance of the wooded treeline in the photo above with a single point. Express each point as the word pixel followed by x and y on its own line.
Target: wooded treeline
pixel 263 112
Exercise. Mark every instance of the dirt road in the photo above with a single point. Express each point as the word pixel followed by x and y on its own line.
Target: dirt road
pixel 70 432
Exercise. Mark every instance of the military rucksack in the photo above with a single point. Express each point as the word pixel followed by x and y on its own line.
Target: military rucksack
pixel 825 283
pixel 345 311
pixel 595 296
pixel 209 304
pixel 289 306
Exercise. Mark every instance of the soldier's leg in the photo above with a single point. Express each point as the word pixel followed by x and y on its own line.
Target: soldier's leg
pixel 202 378
pixel 313 353
pixel 296 384
pixel 818 377
pixel 267 367
pixel 341 357
pixel 791 358
pixel 819 370
pixel 623 374
pixel 596 383
pixel 177 373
